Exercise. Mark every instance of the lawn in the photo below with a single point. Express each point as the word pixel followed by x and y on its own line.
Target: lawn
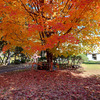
pixel 90 69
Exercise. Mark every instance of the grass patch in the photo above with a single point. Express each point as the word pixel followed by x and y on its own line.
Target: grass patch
pixel 91 66
pixel 91 62
pixel 91 69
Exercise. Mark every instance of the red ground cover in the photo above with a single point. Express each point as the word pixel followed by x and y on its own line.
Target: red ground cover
pixel 44 85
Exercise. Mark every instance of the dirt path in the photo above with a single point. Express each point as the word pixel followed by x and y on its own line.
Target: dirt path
pixel 10 68
pixel 85 71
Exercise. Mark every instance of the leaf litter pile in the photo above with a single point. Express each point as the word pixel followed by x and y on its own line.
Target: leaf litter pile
pixel 44 85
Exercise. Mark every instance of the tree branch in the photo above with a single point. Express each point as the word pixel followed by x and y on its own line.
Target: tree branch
pixel 65 5
pixel 80 30
pixel 27 10
pixel 68 31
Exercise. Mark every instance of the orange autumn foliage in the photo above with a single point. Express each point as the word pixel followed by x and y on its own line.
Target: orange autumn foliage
pixel 45 24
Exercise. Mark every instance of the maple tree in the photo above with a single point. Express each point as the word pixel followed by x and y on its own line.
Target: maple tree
pixel 55 26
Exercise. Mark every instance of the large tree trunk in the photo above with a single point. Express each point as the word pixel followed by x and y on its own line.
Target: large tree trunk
pixel 50 60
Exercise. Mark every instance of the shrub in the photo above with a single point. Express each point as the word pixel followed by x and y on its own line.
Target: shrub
pixel 27 60
pixel 83 57
pixel 23 61
pixel 12 62
pixel 17 62
pixel 42 58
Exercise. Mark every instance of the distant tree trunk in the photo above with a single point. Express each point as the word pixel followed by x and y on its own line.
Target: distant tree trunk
pixel 74 61
pixel 67 60
pixel 8 56
pixel 15 57
pixel 59 60
pixel 63 60
pixel 55 60
pixel 79 59
pixel 3 59
pixel 0 60
pixel 49 60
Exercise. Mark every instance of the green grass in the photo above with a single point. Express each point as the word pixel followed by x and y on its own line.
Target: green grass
pixel 91 66
pixel 91 69
pixel 91 62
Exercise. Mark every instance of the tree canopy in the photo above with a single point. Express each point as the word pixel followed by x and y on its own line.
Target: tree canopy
pixel 53 25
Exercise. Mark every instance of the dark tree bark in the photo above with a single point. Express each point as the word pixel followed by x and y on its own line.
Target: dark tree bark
pixel 50 60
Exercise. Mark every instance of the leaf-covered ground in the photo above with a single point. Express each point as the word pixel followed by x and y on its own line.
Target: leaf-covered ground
pixel 44 85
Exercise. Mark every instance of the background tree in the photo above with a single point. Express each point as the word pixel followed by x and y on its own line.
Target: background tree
pixel 81 58
pixel 4 56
